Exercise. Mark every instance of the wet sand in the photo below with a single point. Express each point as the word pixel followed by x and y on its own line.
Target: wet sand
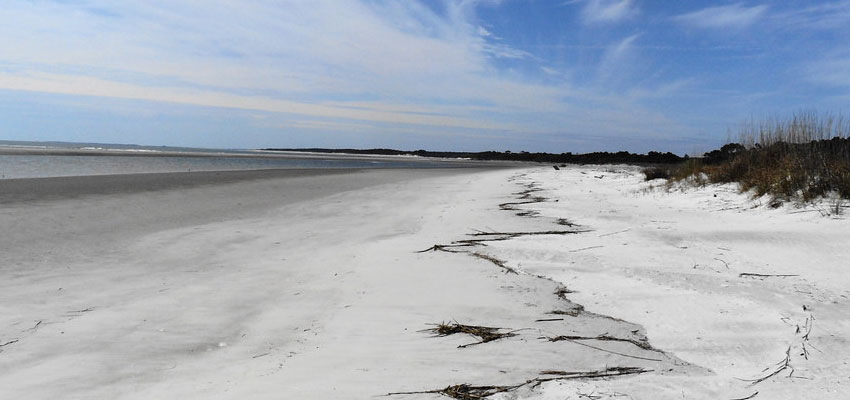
pixel 61 218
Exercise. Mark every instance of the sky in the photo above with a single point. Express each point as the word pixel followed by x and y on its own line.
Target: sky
pixel 465 75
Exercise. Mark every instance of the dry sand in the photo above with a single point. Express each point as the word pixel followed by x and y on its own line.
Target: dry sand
pixel 311 287
pixel 682 265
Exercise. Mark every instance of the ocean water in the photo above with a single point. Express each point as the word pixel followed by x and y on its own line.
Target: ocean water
pixel 139 159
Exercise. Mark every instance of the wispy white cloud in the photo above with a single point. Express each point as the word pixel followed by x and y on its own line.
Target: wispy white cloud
pixel 719 17
pixel 271 53
pixel 608 11
pixel 616 59
pixel 665 90
pixel 88 86
pixel 831 71
pixel 550 70
pixel 817 16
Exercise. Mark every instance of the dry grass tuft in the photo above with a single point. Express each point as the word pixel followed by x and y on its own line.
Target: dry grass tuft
pixel 469 392
pixel 484 334
pixel 465 391
pixel 573 312
pixel 565 222
pixel 562 292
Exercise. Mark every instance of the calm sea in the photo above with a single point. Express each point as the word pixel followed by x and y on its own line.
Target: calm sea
pixel 141 159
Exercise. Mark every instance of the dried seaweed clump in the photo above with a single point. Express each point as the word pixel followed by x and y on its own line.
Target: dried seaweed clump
pixel 484 334
pixel 465 392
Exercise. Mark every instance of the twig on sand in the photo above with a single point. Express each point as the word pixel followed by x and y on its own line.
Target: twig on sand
pixel 485 334
pixel 745 274
pixel 748 397
pixel 643 344
pixel 535 233
pixel 780 366
pixel 804 340
pixel 482 236
pixel 9 342
pixel 34 327
pixel 614 233
pixel 584 248
pixel 470 392
pixel 607 372
pixel 614 352
pixel 785 364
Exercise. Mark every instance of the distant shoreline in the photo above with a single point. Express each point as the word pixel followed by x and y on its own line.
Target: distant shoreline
pixel 621 157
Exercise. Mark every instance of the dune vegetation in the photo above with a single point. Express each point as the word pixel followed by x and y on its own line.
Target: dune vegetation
pixel 802 158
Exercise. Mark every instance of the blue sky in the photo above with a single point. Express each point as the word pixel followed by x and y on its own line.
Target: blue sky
pixel 536 75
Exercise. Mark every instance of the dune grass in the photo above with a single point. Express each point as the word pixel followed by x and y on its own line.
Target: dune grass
pixel 805 157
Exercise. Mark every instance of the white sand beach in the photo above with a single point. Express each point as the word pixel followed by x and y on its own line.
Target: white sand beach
pixel 313 286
